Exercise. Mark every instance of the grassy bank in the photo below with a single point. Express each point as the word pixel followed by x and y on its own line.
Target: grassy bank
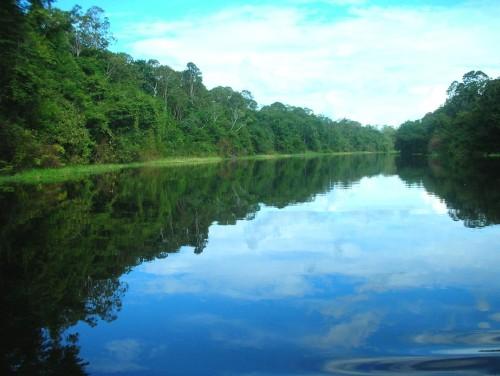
pixel 55 175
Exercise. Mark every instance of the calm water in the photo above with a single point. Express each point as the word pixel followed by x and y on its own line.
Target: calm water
pixel 346 265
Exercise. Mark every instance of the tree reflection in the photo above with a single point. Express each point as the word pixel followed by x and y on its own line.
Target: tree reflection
pixel 469 188
pixel 65 246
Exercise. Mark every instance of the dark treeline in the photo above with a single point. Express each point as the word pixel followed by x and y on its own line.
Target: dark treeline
pixel 84 235
pixel 467 125
pixel 66 99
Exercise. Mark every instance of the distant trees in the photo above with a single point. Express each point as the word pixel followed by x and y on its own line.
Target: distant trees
pixel 468 124
pixel 65 98
pixel 413 137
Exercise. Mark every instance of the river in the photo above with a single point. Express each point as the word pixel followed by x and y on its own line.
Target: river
pixel 366 264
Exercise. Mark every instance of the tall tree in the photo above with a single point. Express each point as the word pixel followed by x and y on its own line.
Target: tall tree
pixel 91 29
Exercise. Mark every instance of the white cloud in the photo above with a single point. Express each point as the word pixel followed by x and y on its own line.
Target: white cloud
pixel 376 65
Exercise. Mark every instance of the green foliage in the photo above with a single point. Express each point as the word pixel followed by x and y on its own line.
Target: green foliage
pixel 68 100
pixel 467 125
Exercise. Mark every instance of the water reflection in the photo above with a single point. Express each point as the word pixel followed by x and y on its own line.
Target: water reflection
pixel 469 189
pixel 303 261
pixel 417 366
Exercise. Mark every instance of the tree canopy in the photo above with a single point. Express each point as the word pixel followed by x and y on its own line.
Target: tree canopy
pixel 468 124
pixel 66 99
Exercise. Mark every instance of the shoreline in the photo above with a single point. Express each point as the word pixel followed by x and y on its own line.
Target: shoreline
pixel 61 174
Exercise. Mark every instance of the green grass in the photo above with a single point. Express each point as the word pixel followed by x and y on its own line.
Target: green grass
pixel 56 175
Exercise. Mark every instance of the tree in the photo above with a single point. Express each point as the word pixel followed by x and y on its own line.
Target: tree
pixel 90 29
pixel 463 95
pixel 192 78
pixel 65 98
pixel 467 125
pixel 250 102
pixel 12 33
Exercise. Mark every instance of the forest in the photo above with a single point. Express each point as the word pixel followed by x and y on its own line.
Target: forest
pixel 66 99
pixel 466 126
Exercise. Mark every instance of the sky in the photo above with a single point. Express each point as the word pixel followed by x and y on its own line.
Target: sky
pixel 375 61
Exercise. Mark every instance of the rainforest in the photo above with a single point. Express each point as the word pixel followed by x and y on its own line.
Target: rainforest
pixel 67 100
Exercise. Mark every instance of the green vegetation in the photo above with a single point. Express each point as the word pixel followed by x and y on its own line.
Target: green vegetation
pixel 467 125
pixel 67 100
pixel 55 175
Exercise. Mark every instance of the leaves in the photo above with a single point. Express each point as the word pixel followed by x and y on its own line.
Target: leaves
pixel 74 101
pixel 468 124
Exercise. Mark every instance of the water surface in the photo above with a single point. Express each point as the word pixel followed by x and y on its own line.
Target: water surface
pixel 340 265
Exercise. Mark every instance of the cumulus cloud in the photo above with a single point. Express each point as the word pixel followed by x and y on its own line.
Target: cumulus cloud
pixel 373 64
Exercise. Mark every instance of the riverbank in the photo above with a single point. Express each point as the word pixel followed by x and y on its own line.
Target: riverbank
pixel 56 175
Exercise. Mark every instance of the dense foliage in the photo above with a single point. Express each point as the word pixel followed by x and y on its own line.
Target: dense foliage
pixel 468 124
pixel 66 99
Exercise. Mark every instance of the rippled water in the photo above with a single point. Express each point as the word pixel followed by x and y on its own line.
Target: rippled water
pixel 342 265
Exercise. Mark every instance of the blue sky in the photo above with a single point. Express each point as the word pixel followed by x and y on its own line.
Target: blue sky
pixel 379 62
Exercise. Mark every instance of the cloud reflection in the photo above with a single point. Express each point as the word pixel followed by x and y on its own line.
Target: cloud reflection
pixel 349 334
pixel 380 242
pixel 119 356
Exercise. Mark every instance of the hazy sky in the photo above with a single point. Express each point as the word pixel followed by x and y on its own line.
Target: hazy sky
pixel 378 62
